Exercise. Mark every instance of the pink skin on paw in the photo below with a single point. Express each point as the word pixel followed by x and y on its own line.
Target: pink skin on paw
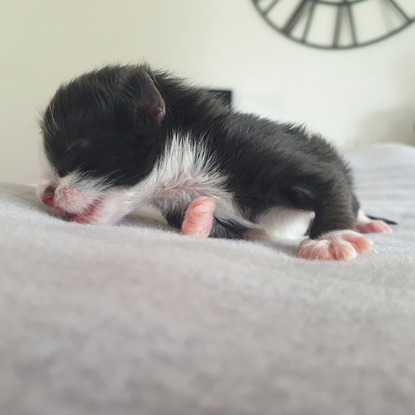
pixel 198 220
pixel 374 226
pixel 335 246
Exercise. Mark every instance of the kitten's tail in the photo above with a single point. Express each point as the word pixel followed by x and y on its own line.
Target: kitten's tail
pixel 388 221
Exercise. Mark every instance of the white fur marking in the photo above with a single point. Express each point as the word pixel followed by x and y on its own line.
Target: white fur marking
pixel 362 218
pixel 183 173
pixel 280 223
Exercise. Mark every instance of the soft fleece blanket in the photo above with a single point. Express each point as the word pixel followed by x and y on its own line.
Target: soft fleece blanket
pixel 139 319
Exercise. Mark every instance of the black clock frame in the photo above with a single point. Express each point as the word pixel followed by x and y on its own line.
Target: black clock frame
pixel 343 8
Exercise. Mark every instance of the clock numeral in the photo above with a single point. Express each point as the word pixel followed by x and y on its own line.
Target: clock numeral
pixel 271 6
pixel 296 16
pixel 351 22
pixel 337 27
pixel 344 13
pixel 396 8
pixel 308 23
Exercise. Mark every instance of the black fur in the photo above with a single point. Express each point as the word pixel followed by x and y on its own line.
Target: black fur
pixel 113 123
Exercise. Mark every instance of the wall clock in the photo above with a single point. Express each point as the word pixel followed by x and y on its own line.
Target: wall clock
pixel 337 24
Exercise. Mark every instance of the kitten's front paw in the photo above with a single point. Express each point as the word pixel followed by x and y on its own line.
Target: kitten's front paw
pixel 198 220
pixel 335 246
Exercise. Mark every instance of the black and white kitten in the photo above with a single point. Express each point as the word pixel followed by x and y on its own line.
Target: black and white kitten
pixel 126 136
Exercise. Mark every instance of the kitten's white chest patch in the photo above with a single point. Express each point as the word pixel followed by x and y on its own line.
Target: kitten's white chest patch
pixel 183 173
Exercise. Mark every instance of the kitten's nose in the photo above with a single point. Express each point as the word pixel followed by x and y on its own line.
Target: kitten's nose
pixel 48 195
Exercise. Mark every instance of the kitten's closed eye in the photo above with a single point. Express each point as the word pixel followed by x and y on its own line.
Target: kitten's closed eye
pixel 72 160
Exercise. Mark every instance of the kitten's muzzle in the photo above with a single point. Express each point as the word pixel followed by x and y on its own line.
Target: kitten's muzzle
pixel 71 204
pixel 48 195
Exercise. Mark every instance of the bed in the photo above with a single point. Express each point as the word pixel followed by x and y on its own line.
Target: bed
pixel 139 319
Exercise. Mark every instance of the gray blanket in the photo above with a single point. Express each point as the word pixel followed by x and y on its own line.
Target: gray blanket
pixel 138 319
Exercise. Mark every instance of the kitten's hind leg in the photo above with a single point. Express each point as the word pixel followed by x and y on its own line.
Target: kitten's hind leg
pixel 331 234
pixel 198 219
pixel 201 220
pixel 365 224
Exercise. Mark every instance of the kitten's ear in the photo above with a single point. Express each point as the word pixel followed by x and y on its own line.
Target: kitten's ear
pixel 151 101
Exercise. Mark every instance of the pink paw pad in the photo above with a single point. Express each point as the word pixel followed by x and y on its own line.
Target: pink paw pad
pixel 335 246
pixel 374 226
pixel 198 220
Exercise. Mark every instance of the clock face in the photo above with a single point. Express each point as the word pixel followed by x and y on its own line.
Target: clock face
pixel 337 24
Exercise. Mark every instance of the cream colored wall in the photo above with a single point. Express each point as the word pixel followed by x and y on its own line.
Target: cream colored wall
pixel 360 96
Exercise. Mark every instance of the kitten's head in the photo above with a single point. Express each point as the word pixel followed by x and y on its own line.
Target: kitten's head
pixel 101 134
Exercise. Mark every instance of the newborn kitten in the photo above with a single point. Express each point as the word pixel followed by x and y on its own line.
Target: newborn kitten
pixel 126 136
